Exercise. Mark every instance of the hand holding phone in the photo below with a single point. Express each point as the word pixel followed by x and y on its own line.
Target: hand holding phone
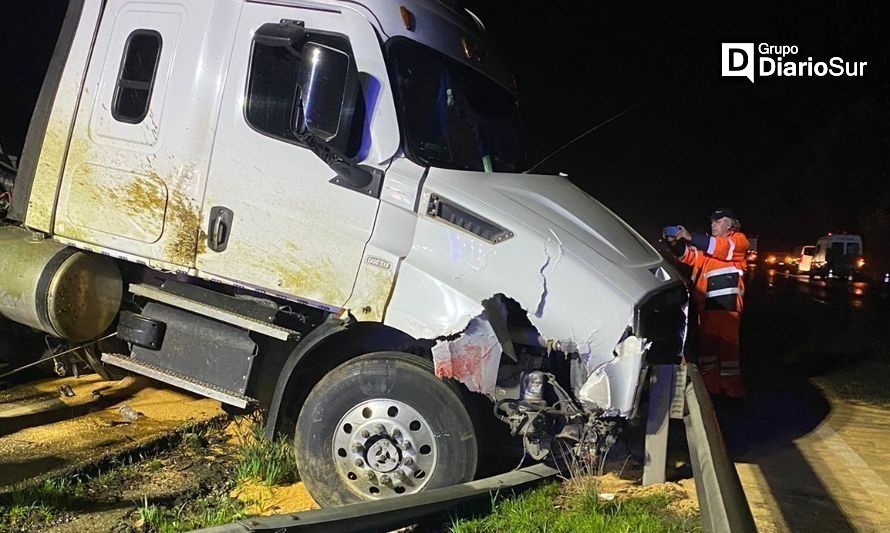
pixel 671 231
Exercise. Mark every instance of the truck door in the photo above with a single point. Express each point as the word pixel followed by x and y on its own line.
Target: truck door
pixel 274 217
pixel 137 157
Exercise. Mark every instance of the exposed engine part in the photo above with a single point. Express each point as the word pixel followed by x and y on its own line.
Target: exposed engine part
pixel 533 386
pixel 50 287
pixel 544 413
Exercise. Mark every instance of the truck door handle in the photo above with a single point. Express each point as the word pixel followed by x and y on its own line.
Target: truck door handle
pixel 219 231
pixel 219 228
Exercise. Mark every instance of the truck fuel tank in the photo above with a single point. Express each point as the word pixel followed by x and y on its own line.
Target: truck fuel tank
pixel 68 293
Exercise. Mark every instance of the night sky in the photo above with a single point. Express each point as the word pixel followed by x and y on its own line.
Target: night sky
pixel 796 157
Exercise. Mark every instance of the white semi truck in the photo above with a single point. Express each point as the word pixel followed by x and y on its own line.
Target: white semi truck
pixel 317 208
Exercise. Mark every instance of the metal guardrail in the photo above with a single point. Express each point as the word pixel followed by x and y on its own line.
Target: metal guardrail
pixel 721 499
pixel 388 513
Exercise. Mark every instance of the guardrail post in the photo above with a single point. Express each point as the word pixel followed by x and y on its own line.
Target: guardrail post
pixel 661 388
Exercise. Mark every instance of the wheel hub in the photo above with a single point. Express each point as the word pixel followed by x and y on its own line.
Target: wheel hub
pixel 384 448
pixel 384 455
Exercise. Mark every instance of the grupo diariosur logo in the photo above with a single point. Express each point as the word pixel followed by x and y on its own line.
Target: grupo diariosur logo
pixel 739 59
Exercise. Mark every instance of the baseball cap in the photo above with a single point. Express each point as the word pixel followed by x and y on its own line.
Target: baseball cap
pixel 721 212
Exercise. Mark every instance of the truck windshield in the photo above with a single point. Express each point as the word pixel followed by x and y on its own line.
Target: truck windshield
pixel 453 116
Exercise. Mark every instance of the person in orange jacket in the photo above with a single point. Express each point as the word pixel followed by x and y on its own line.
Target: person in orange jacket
pixel 718 269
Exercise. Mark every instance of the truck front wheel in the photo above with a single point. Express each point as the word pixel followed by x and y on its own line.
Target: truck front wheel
pixel 381 425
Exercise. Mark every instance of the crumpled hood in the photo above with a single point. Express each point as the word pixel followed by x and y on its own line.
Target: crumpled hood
pixel 566 206
pixel 550 216
pixel 571 262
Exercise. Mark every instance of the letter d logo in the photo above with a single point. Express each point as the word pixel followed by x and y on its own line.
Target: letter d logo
pixel 738 60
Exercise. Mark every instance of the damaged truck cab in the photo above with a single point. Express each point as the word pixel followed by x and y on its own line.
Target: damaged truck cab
pixel 317 208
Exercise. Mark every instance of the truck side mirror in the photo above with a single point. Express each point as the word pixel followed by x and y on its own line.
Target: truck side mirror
pixel 284 34
pixel 327 77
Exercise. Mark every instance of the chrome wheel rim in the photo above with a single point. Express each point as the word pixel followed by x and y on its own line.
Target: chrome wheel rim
pixel 384 448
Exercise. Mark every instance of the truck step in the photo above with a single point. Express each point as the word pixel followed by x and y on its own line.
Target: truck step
pixel 178 380
pixel 223 315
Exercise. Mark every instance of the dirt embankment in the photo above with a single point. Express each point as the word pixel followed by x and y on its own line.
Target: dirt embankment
pixel 84 455
pixel 56 426
pixel 681 495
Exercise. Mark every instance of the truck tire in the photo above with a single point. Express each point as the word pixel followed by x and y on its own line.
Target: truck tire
pixel 381 425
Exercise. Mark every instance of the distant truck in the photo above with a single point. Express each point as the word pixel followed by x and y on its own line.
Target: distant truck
pixel 317 208
pixel 838 256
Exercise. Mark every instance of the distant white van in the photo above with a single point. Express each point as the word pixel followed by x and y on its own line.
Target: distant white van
pixel 837 255
pixel 802 259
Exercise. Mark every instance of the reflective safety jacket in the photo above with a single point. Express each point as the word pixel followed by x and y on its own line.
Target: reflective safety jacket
pixel 718 269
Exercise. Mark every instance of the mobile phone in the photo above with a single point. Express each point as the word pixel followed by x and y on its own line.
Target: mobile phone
pixel 671 231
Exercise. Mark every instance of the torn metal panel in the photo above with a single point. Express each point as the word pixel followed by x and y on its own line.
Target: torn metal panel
pixel 473 358
pixel 611 386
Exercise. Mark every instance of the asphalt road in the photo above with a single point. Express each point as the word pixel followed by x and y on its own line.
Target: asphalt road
pixel 808 460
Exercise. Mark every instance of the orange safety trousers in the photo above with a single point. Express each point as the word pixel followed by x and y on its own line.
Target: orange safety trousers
pixel 718 356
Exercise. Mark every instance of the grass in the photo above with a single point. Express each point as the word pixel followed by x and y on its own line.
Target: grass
pixel 271 462
pixel 547 508
pixel 260 459
pixel 36 507
pixel 39 504
pixel 203 512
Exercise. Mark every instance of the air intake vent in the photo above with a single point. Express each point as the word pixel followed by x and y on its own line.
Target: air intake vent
pixel 456 215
